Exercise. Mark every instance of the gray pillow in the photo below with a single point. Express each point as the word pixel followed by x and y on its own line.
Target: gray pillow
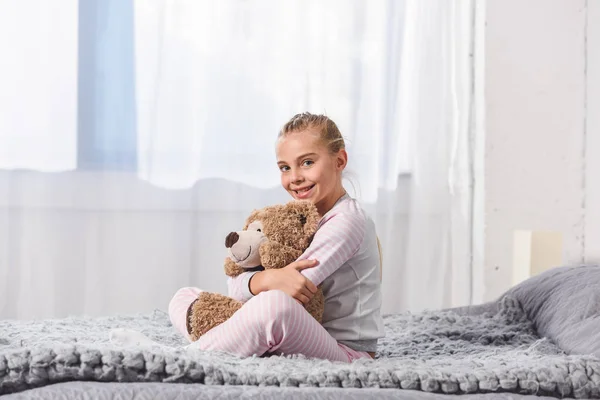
pixel 564 305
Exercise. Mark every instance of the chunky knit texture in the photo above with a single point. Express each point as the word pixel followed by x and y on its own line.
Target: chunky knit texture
pixel 434 351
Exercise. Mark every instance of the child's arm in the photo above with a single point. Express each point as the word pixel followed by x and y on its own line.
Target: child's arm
pixel 238 288
pixel 336 241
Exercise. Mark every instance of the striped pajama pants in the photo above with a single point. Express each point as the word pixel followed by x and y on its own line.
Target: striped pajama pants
pixel 271 322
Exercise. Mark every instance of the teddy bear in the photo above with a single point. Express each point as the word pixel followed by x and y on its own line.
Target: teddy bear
pixel 272 237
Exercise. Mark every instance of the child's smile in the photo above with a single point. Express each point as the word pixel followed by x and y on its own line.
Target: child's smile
pixel 305 192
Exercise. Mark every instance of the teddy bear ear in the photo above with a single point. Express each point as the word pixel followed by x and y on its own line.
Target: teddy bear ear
pixel 308 214
pixel 253 216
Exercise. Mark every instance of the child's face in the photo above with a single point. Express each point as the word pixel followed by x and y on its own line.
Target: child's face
pixel 308 170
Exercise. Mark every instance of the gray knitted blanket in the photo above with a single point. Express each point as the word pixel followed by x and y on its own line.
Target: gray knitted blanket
pixel 434 352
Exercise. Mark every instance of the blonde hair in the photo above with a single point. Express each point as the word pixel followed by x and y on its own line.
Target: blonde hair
pixel 327 129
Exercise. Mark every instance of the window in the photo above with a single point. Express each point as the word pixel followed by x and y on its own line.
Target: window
pixel 106 118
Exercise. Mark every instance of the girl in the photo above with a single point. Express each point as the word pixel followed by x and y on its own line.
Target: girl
pixel 343 256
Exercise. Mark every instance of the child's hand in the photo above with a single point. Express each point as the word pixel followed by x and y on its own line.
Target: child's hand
pixel 288 279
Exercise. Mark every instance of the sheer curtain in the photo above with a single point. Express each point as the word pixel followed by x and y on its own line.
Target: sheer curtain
pixel 216 80
pixel 437 111
pixel 135 135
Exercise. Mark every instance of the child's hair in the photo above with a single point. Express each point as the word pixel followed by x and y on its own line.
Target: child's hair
pixel 327 129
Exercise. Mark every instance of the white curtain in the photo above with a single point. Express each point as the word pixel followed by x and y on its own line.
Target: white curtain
pixel 436 113
pixel 260 63
pixel 135 135
pixel 38 84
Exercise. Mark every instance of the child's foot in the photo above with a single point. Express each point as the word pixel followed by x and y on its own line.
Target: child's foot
pixel 129 337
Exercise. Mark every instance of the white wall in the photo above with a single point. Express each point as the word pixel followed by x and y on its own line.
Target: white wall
pixel 538 172
pixel 592 231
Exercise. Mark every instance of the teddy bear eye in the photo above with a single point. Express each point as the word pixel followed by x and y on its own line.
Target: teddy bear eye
pixel 303 219
pixel 259 230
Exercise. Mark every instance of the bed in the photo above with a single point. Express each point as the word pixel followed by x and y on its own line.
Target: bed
pixel 541 338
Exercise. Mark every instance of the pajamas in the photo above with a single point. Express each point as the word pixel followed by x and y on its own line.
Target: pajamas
pixel 345 245
pixel 271 322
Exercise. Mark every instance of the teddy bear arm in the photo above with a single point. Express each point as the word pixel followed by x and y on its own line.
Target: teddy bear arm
pixel 232 269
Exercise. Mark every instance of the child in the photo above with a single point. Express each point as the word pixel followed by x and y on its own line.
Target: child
pixel 343 257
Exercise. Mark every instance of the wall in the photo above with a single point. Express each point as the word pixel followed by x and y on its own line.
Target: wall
pixel 592 200
pixel 542 139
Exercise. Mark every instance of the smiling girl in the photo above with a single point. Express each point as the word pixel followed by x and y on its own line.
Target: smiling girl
pixel 343 257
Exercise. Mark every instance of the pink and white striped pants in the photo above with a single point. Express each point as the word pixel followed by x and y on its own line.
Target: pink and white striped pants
pixel 271 322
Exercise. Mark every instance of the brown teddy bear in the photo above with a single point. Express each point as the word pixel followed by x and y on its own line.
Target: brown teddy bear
pixel 273 237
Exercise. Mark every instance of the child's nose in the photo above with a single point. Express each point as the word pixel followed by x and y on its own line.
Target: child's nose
pixel 296 177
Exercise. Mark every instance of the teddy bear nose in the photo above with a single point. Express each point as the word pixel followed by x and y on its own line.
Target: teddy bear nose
pixel 231 239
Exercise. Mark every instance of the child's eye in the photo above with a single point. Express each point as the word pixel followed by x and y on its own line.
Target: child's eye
pixel 308 163
pixel 284 168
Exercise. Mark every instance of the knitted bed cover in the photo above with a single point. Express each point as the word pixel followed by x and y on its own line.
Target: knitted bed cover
pixel 432 351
